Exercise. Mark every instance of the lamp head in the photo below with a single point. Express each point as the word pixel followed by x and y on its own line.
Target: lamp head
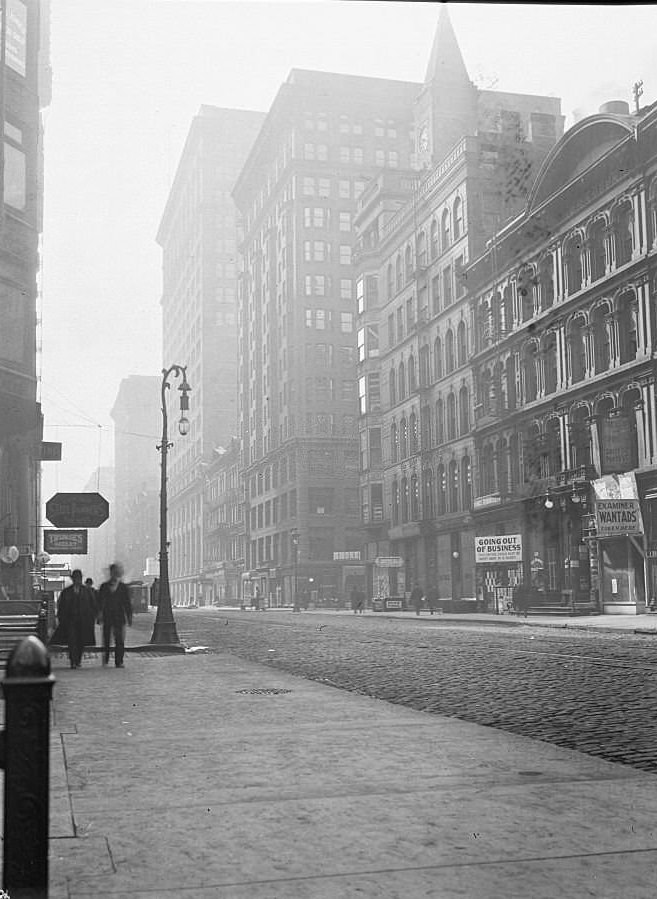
pixel 183 426
pixel 548 503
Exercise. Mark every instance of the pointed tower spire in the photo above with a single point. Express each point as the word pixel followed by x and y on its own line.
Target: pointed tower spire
pixel 445 63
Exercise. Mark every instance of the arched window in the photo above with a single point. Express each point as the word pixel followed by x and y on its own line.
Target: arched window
pixel 447 239
pixel 426 426
pixel 532 453
pixel 627 327
pixel 422 248
pixel 550 361
pixel 428 497
pixel 553 432
pixel 415 498
pixel 395 502
pixel 404 499
pixel 453 486
pixel 503 467
pixel 623 229
pixel 507 310
pixel 597 254
pixel 515 451
pixel 391 282
pixel 449 351
pixel 630 399
pixel 434 239
pixel 394 442
pixel 408 263
pixel 497 389
pixel 392 387
pixel 485 388
pixel 464 410
pixel 399 274
pixel 451 417
pixel 531 382
pixel 461 344
pixel 525 288
pixel 580 437
pixel 510 381
pixel 458 218
pixel 401 381
pixel 413 433
pixel 412 377
pixel 496 330
pixel 601 350
pixel 572 255
pixel 438 358
pixel 546 282
pixel 425 366
pixel 576 350
pixel 487 470
pixel 440 422
pixel 403 439
pixel 441 486
pixel 466 482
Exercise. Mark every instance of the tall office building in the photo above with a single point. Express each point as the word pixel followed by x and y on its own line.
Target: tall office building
pixel 137 426
pixel 24 90
pixel 324 137
pixel 198 236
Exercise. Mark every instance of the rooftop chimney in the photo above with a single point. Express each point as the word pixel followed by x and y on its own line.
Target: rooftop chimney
pixel 615 107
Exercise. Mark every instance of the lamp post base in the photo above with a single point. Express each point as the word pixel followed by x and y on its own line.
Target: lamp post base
pixel 164 632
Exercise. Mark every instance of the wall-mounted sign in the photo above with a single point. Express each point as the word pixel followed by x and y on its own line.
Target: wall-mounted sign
pixel 617 449
pixel 498 548
pixel 618 517
pixel 50 451
pixel 65 543
pixel 389 562
pixel 347 556
pixel 82 510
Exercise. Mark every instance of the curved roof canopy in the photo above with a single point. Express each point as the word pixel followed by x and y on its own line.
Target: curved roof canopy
pixel 583 144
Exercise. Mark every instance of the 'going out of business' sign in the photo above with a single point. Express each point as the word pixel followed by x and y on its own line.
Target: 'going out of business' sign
pixel 498 548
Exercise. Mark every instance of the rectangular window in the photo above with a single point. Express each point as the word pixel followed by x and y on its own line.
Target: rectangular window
pixel 372 341
pixel 359 187
pixel 374 391
pixel 376 455
pixel 346 322
pixel 345 154
pixel 361 344
pixel 358 155
pixel 400 324
pixel 319 285
pixel 15 187
pixel 362 396
pixel 309 187
pixel 435 294
pixel 348 390
pixel 344 189
pixel 309 151
pixel 360 296
pixel 318 217
pixel 320 319
pixel 379 157
pixel 16 37
pixel 322 152
pixel 345 254
pixel 410 315
pixel 345 221
pixel 393 159
pixel 324 187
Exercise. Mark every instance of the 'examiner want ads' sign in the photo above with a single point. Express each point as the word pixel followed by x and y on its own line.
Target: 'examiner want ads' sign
pixel 498 548
pixel 618 517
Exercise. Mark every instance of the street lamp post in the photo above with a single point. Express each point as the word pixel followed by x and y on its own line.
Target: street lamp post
pixel 295 557
pixel 164 630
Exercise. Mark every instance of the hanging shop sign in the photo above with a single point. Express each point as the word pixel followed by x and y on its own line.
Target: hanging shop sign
pixel 618 517
pixel 498 548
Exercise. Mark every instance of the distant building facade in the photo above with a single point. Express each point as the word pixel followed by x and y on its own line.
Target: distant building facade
pixel 24 91
pixel 198 236
pixel 475 154
pixel 137 426
pixel 223 528
pixel 565 432
pixel 324 138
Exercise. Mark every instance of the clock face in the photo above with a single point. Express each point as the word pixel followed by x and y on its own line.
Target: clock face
pixel 423 140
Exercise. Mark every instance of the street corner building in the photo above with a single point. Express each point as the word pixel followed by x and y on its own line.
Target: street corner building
pixel 24 90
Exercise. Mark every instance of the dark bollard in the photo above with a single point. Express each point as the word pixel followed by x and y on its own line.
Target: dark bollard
pixel 27 689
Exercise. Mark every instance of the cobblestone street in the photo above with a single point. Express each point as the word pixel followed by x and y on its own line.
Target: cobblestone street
pixel 592 691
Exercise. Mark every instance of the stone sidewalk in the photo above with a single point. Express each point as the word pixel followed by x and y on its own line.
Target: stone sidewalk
pixel 203 775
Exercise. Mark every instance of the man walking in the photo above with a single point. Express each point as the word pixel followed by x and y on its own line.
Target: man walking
pixel 76 617
pixel 116 612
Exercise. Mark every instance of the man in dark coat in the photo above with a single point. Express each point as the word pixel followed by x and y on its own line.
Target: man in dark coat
pixel 115 612
pixel 416 598
pixel 76 617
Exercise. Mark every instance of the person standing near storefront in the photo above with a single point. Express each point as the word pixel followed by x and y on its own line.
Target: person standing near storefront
pixel 76 617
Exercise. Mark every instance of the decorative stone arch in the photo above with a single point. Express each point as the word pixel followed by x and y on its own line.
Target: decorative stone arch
pixel 602 334
pixel 550 362
pixel 530 354
pixel 461 342
pixel 401 380
pixel 445 230
pixel 451 415
pixel 578 354
pixel 457 218
pixel 546 285
pixel 422 247
pixel 434 238
pixel 438 362
pixel 626 310
pixel 408 262
pixel 605 403
pixel 555 462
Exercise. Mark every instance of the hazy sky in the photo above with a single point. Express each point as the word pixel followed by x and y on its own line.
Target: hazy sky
pixel 129 75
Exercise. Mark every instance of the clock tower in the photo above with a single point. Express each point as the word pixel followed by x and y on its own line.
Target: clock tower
pixel 446 107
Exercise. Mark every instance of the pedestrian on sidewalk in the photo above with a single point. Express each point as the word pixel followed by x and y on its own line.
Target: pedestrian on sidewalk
pixel 76 618
pixel 89 584
pixel 116 612
pixel 432 599
pixel 416 598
